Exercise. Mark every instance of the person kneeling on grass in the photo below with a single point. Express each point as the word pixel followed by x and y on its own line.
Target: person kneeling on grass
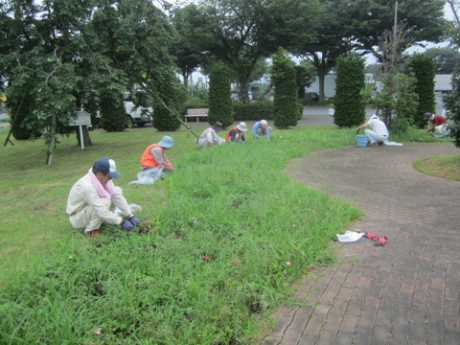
pixel 93 199
pixel 236 133
pixel 261 128
pixel 379 132
pixel 154 155
pixel 209 136
pixel 154 162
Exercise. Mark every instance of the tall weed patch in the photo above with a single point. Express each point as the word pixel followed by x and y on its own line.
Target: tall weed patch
pixel 231 235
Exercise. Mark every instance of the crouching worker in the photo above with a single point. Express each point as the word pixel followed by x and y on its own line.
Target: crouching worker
pixel 379 132
pixel 261 128
pixel 154 162
pixel 438 125
pixel 93 199
pixel 209 136
pixel 236 133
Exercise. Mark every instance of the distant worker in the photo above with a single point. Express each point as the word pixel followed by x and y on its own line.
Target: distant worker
pixel 379 132
pixel 209 136
pixel 93 199
pixel 154 155
pixel 438 125
pixel 261 128
pixel 236 133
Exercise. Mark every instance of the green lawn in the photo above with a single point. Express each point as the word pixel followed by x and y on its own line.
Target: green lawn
pixel 228 233
pixel 447 167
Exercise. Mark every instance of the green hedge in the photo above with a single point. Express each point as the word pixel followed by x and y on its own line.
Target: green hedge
pixel 350 108
pixel 253 111
pixel 285 103
pixel 220 103
pixel 423 68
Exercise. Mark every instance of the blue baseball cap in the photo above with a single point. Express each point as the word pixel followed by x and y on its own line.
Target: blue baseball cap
pixel 107 166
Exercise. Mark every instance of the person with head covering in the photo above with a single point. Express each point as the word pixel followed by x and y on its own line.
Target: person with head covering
pixel 379 132
pixel 209 136
pixel 93 199
pixel 154 155
pixel 434 121
pixel 236 133
pixel 261 128
pixel 154 162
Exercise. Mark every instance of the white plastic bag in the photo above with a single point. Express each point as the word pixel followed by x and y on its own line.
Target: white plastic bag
pixel 135 209
pixel 148 176
pixel 350 236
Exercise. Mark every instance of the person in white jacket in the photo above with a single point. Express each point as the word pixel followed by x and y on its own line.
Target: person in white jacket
pixel 93 199
pixel 209 136
pixel 379 132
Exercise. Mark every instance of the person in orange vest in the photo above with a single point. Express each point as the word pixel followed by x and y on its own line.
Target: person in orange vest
pixel 154 162
pixel 236 133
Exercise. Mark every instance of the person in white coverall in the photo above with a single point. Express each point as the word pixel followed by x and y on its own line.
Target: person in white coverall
pixel 209 136
pixel 379 132
pixel 93 199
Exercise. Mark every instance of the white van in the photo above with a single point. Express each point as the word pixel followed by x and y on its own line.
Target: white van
pixel 139 116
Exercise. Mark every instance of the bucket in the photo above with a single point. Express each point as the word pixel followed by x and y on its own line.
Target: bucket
pixel 362 140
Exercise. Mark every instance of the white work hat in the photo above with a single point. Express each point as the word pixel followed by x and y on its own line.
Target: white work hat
pixel 263 124
pixel 242 127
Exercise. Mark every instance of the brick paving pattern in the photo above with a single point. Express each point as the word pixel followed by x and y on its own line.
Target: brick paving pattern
pixel 406 292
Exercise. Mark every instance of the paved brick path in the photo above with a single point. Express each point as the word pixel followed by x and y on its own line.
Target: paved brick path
pixel 406 292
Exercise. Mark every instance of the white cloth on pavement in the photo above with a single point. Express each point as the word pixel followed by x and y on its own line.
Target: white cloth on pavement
pixel 350 236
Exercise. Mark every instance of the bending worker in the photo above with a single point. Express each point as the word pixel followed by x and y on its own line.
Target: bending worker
pixel 236 133
pixel 154 156
pixel 93 199
pixel 209 136
pixel 261 128
pixel 379 132
pixel 434 121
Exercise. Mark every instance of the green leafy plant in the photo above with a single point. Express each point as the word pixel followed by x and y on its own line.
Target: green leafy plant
pixel 220 103
pixel 349 104
pixel 422 68
pixel 285 104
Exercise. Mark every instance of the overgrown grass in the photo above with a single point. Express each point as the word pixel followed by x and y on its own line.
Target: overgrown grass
pixel 447 167
pixel 223 239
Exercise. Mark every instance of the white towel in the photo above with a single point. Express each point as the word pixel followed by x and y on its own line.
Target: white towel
pixel 350 236
pixel 392 143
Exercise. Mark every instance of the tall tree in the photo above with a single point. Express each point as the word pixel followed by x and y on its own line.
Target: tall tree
pixel 332 39
pixel 305 76
pixel 285 102
pixel 423 68
pixel 185 56
pixel 63 50
pixel 443 59
pixel 220 103
pixel 348 102
pixel 397 96
pixel 423 19
pixel 358 24
pixel 241 32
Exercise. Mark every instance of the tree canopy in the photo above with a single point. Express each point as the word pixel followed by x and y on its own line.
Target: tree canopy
pixel 443 59
pixel 67 52
pixel 241 32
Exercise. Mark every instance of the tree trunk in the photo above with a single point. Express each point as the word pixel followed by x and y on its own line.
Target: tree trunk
pixel 50 151
pixel 321 78
pixel 322 67
pixel 244 90
pixel 86 137
pixel 185 76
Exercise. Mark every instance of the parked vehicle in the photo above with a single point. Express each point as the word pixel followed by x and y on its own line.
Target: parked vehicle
pixel 314 97
pixel 139 116
pixel 235 96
